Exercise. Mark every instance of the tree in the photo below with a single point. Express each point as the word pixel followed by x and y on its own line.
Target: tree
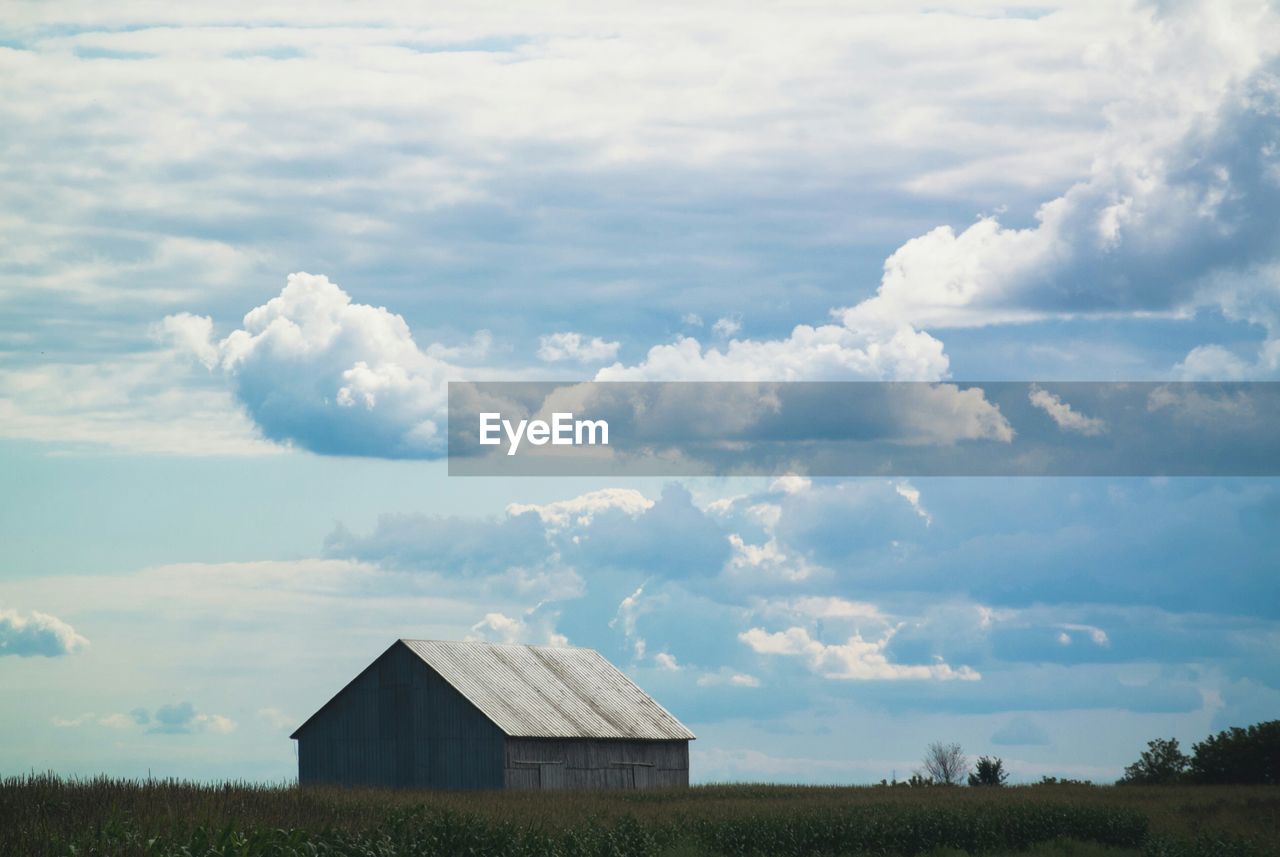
pixel 988 772
pixel 1163 762
pixel 945 764
pixel 1238 755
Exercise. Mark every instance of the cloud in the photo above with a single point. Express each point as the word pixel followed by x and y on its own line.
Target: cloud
pixel 537 625
pixel 855 660
pixel 1175 214
pixel 314 369
pixel 575 347
pixel 1095 634
pixel 1062 414
pixel 462 545
pixel 182 718
pixel 629 609
pixel 912 495
pixel 727 326
pixel 535 548
pixel 37 634
pixel 673 538
pixel 766 559
pixel 666 661
pixel 277 719
pixel 141 403
pixel 193 333
pixel 108 721
pixel 580 509
pixel 726 676
pixel 1215 363
pixel 791 484
pixel 825 353
pixel 442 173
pixel 1021 730
pixel 1158 215
pixel 827 607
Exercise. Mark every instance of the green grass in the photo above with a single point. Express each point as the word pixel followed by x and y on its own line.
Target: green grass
pixel 50 816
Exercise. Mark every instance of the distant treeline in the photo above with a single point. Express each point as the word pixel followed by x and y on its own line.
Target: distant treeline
pixel 1243 756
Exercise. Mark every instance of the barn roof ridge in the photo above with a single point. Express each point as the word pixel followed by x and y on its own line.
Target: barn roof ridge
pixel 488 643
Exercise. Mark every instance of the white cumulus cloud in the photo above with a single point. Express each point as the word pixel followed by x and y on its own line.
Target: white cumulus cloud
pixel 856 659
pixel 315 369
pixel 556 347
pixel 825 353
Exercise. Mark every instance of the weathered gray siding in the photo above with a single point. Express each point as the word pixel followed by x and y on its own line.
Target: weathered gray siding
pixel 399 724
pixel 585 763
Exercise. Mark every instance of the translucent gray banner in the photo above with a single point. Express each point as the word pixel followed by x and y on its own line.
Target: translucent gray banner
pixel 999 428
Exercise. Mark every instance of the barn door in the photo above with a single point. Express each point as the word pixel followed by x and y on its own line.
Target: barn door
pixel 641 776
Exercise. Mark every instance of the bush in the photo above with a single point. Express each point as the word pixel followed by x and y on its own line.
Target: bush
pixel 1236 755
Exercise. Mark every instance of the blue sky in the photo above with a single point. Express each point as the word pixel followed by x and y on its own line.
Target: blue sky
pixel 244 247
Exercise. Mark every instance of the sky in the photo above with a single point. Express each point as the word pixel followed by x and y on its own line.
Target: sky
pixel 244 247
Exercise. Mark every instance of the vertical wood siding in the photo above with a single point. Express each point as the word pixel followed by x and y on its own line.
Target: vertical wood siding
pixel 400 725
pixel 587 763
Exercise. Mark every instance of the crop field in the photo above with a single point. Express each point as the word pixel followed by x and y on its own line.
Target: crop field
pixel 43 815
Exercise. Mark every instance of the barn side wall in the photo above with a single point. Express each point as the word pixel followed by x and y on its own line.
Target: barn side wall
pixel 550 763
pixel 398 724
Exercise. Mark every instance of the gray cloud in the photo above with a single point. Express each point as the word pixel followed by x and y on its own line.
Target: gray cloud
pixel 182 718
pixel 37 634
pixel 1021 731
pixel 451 544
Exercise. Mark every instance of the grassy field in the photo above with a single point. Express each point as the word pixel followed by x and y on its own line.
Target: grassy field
pixel 48 816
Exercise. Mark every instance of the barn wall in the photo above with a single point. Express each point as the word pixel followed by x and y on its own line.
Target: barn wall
pixel 398 724
pixel 532 763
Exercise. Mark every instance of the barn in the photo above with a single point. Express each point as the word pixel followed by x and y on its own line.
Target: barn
pixel 451 715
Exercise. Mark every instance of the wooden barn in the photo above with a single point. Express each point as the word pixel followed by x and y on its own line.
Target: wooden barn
pixel 448 715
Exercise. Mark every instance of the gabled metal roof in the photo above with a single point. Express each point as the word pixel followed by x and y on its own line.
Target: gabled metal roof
pixel 549 691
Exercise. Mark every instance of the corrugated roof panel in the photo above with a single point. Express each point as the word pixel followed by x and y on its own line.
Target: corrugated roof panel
pixel 549 691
